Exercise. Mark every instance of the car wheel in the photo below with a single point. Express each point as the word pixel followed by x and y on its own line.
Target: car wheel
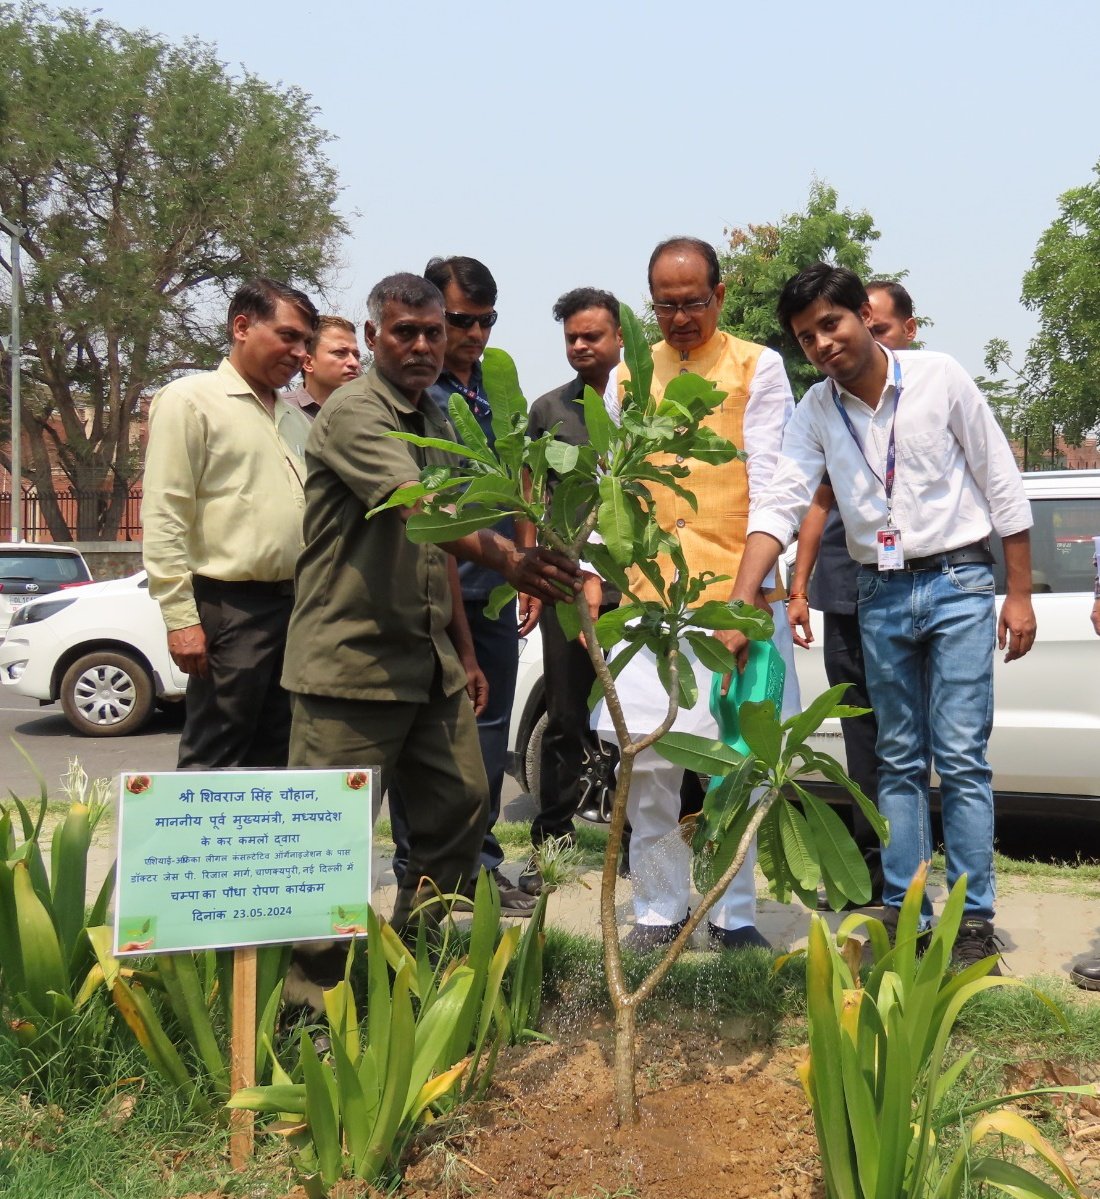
pixel 597 775
pixel 107 694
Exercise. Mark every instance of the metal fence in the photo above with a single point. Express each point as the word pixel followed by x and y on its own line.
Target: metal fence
pixel 82 512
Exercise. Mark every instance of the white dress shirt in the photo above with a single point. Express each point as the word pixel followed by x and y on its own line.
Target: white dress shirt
pixel 955 477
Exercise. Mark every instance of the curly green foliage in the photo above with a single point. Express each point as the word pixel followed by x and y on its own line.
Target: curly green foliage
pixel 150 182
pixel 1063 359
pixel 761 258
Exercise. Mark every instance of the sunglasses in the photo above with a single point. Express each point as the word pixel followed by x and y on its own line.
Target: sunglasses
pixel 466 320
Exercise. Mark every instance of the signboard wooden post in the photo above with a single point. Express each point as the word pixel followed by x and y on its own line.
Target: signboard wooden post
pixel 237 859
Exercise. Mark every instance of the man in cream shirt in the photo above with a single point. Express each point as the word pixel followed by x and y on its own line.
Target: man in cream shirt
pixel 222 518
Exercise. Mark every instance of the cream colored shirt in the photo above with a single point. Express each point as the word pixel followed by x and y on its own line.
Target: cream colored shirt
pixel 223 489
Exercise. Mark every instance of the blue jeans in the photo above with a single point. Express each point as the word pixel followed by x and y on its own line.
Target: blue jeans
pixel 928 639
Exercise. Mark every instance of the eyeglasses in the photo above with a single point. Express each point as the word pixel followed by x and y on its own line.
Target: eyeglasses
pixel 466 320
pixel 691 308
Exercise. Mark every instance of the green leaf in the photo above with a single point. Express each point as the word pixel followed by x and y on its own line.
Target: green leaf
pixel 469 431
pixel 569 619
pixel 618 519
pixel 498 374
pixel 321 1115
pixel 842 864
pixel 442 526
pixel 687 690
pixel 797 843
pixel 272 1099
pixel 810 719
pixel 494 490
pixel 698 753
pixel 601 428
pixel 499 599
pixel 756 624
pixel 711 652
pixel 636 356
pixel 438 443
pixel 403 497
pixel 761 730
pixel 561 456
pixel 598 557
pixel 611 626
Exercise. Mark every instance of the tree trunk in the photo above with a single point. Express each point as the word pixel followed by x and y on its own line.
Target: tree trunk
pixel 626 1100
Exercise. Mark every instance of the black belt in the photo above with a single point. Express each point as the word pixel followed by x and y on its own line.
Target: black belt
pixel 204 584
pixel 979 551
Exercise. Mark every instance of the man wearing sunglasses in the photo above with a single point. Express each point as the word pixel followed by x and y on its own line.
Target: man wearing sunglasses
pixel 469 295
pixel 687 292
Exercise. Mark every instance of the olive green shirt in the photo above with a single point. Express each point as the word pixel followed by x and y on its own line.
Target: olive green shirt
pixel 371 608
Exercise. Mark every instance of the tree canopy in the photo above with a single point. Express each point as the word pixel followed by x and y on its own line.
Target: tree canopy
pixel 1057 386
pixel 150 182
pixel 761 258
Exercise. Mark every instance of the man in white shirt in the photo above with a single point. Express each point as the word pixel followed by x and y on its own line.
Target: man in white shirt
pixel 922 474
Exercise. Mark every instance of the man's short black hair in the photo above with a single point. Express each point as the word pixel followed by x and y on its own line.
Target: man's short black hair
pixel 258 299
pixel 471 277
pixel 581 298
pixel 899 297
pixel 836 284
pixel 694 245
pixel 414 291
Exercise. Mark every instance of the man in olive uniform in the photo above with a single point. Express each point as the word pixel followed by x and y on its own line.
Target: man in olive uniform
pixel 379 662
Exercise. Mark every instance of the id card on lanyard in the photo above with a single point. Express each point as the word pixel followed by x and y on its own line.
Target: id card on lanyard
pixel 891 555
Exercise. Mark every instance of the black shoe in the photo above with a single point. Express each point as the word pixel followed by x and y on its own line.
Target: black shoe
pixel 745 937
pixel 644 938
pixel 890 920
pixel 513 901
pixel 1086 974
pixel 530 879
pixel 976 940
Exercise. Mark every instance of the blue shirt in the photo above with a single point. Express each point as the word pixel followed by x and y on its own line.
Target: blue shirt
pixel 477 580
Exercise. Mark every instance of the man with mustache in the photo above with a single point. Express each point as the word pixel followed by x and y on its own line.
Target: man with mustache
pixel 469 294
pixel 380 663
pixel 222 517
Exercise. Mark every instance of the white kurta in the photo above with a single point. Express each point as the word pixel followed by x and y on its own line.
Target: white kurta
pixel 660 862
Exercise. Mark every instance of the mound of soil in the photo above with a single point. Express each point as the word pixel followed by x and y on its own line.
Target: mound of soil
pixel 717 1118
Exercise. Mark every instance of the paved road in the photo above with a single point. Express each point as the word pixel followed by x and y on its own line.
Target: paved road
pixel 49 739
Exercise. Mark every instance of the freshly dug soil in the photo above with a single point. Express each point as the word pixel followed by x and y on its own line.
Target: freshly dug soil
pixel 718 1118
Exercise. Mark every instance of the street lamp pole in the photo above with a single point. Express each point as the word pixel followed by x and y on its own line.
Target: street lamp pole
pixel 15 232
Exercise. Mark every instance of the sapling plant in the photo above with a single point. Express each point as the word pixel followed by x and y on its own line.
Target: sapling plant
pixel 602 513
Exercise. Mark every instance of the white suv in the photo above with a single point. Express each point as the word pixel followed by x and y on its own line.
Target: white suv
pixel 29 570
pixel 102 650
pixel 1045 747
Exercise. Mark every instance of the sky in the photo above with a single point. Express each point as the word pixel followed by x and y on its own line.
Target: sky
pixel 559 143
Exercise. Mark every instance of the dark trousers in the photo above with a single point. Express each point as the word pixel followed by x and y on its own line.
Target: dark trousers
pixel 239 715
pixel 496 644
pixel 568 676
pixel 430 751
pixel 844 664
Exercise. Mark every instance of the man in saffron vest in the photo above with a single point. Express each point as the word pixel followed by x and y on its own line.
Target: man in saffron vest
pixel 687 294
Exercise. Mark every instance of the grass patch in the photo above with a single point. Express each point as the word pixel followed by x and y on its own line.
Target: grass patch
pixel 743 984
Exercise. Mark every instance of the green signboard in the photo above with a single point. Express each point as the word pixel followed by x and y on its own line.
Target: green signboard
pixel 219 859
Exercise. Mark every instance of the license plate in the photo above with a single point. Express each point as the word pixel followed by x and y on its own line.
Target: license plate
pixel 16 600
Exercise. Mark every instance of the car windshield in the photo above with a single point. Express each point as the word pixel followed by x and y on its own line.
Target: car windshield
pixel 42 568
pixel 1061 546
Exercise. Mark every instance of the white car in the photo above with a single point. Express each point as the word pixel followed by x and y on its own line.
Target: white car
pixel 1045 746
pixel 102 651
pixel 30 570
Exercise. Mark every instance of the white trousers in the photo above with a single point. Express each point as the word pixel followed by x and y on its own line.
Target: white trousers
pixel 660 862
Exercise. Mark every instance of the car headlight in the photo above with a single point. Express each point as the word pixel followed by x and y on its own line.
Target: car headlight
pixel 42 610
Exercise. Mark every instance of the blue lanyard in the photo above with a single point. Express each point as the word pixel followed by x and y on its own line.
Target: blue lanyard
pixel 888 481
